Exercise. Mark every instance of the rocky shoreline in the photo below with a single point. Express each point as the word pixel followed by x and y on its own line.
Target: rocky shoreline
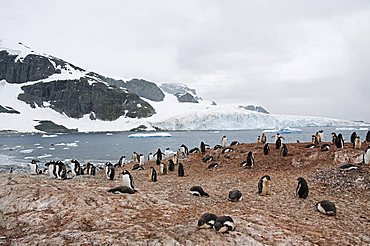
pixel 38 210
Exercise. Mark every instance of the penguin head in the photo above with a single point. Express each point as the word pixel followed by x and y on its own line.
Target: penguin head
pixel 300 179
pixel 125 172
pixel 266 178
pixel 34 161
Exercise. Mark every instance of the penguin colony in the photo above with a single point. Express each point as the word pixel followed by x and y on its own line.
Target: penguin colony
pixel 222 224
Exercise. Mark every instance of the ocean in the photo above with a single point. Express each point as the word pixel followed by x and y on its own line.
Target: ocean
pixel 17 150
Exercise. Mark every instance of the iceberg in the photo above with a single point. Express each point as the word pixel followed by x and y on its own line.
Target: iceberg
pixel 150 135
pixel 287 130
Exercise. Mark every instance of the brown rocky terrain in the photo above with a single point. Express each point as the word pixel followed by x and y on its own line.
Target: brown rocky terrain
pixel 38 210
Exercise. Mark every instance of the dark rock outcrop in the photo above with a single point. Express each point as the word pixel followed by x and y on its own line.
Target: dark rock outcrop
pixel 76 98
pixel 255 108
pixel 50 127
pixel 186 98
pixel 146 89
pixel 8 110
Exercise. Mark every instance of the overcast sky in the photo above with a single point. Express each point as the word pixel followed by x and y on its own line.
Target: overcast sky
pixel 291 57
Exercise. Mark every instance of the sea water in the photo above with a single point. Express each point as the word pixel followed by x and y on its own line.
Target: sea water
pixel 17 150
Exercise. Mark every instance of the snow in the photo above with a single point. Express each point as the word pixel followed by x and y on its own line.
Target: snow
pixel 150 135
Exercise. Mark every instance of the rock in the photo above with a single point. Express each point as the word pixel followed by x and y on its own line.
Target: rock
pixel 50 127
pixel 8 110
pixel 146 89
pixel 186 98
pixel 255 108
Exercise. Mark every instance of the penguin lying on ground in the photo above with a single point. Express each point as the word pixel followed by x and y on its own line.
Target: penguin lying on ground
pixel 224 224
pixel 348 166
pixel 207 220
pixel 326 207
pixel 122 190
pixel 235 196
pixel 198 191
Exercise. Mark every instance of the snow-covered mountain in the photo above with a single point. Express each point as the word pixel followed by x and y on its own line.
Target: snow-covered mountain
pixel 38 91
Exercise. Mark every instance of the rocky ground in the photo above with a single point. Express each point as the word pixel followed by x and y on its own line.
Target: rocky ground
pixel 38 210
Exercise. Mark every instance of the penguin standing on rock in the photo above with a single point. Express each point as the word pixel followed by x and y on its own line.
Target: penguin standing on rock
pixel 250 160
pixel 127 179
pixel 357 143
pixel 235 196
pixel 224 141
pixel 75 167
pixel 334 138
pixel 198 191
pixel 366 156
pixel 202 147
pixel 184 149
pixel 180 170
pixel 340 141
pixel 171 166
pixel 353 138
pixel 224 224
pixel 263 138
pixel 278 142
pixel 207 221
pixel 109 170
pixel 266 149
pixel 284 150
pixel 163 169
pixel 34 167
pixel 326 207
pixel 302 188
pixel 153 175
pixel 367 139
pixel 264 185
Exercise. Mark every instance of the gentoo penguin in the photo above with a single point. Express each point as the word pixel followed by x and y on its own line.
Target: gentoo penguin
pixel 334 138
pixel 184 149
pixel 109 170
pixel 75 167
pixel 167 153
pixel 326 207
pixel 348 166
pixel 264 185
pixel 310 146
pixel 34 167
pixel 11 170
pixel 90 169
pixel 266 149
pixel 284 150
pixel 325 147
pixel 171 166
pixel 212 165
pixel 153 175
pixel 163 169
pixel 137 167
pixel 202 147
pixel 175 159
pixel 135 157
pixel 367 139
pixel 224 141
pixel 249 162
pixel 357 144
pixel 235 195
pixel 340 141
pixel 60 170
pixel 127 179
pixel 227 150
pixel 207 220
pixel 353 138
pixel 150 157
pixel 278 142
pixel 121 161
pixel 366 156
pixel 141 159
pixel 51 169
pixel 217 147
pixel 194 150
pixel 207 158
pixel 180 170
pixel 159 154
pixel 224 224
pixel 198 191
pixel 321 136
pixel 233 143
pixel 263 138
pixel 258 139
pixel 122 190
pixel 302 188
pixel 315 140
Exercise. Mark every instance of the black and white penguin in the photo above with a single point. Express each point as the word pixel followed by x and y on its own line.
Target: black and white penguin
pixel 150 157
pixel 90 169
pixel 217 146
pixel 367 139
pixel 109 171
pixel 137 167
pixel 366 156
pixel 207 158
pixel 135 157
pixel 233 143
pixel 284 150
pixel 159 154
pixel 321 135
pixel 278 142
pixel 153 175
pixel 266 149
pixel 310 146
pixel 122 190
pixel 51 169
pixel 127 180
pixel 348 167
pixel 163 169
pixel 224 224
pixel 264 185
pixel 258 139
pixel 340 141
pixel 263 138
pixel 34 167
pixel 357 143
pixel 75 167
pixel 325 147
pixel 184 149
pixel 315 139
pixel 198 191
pixel 180 170
pixel 171 166
pixel 334 138
pixel 326 207
pixel 175 159
pixel 302 188
pixel 249 162
pixel 224 141
pixel 353 138
pixel 206 221
pixel 141 159
pixel 194 150
pixel 121 161
pixel 212 165
pixel 202 147
pixel 60 170
pixel 227 150
pixel 235 196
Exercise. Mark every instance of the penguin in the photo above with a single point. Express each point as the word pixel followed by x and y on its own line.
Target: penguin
pixel 227 150
pixel 367 139
pixel 284 150
pixel 127 180
pixel 180 170
pixel 175 159
pixel 34 167
pixel 141 159
pixel 366 156
pixel 134 157
pixel 278 142
pixel 310 146
pixel 325 147
pixel 60 170
pixel 340 141
pixel 224 224
pixel 263 138
pixel 321 135
pixel 207 158
pixel 167 153
pixel 353 138
pixel 249 162
pixel 153 175
pixel 121 161
pixel 171 166
pixel 90 169
pixel 75 167
pixel 198 191
pixel 357 143
pixel 264 185
pixel 11 170
pixel 258 139
pixel 315 139
pixel 122 190
pixel 157 162
pixel 348 166
pixel 334 138
pixel 217 147
pixel 150 157
pixel 137 167
pixel 235 196
pixel 163 169
pixel 224 141
pixel 233 143
pixel 51 169
pixel 302 188
pixel 266 149
pixel 194 150
pixel 212 165
pixel 206 221
pixel 326 207
pixel 109 170
pixel 184 149
pixel 159 154
pixel 202 147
